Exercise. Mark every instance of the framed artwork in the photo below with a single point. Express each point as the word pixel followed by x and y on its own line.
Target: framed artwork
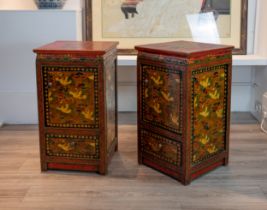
pixel 135 22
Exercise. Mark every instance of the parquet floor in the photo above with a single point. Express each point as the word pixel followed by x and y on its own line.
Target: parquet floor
pixel 242 185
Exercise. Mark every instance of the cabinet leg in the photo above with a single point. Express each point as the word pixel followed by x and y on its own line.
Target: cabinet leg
pixel 103 170
pixel 116 147
pixel 43 167
pixel 140 160
pixel 226 161
pixel 186 181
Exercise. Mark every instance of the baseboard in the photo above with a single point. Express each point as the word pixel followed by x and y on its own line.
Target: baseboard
pixel 256 115
pixel 243 118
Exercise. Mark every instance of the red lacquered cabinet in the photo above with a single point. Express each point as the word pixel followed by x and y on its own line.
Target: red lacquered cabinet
pixel 184 91
pixel 77 104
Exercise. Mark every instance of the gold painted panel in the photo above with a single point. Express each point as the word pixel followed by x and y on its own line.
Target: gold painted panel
pixel 71 97
pixel 161 97
pixel 209 110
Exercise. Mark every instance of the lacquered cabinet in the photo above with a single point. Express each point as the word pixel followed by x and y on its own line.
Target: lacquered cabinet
pixel 184 91
pixel 77 104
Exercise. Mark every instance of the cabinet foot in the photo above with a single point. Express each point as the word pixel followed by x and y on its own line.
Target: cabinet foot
pixel 226 161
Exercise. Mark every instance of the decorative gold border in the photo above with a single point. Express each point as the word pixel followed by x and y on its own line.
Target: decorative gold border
pixel 69 58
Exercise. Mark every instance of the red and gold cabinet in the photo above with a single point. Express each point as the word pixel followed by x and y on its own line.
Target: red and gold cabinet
pixel 184 91
pixel 77 105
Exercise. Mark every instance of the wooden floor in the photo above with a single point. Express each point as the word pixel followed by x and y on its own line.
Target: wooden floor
pixel 242 185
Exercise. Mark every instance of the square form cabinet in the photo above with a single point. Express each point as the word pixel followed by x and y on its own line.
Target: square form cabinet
pixel 184 91
pixel 77 103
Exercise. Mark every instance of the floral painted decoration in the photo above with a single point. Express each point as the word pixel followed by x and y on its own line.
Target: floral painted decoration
pixel 161 97
pixel 209 95
pixel 71 96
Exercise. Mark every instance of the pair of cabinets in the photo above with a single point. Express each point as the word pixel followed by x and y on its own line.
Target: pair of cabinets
pixel 183 106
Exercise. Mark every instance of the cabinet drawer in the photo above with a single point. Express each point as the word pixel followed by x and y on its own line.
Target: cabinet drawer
pixel 72 146
pixel 161 148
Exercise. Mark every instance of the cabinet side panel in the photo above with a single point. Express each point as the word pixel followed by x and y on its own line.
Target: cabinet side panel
pixel 39 78
pixel 110 101
pixel 209 98
pixel 210 112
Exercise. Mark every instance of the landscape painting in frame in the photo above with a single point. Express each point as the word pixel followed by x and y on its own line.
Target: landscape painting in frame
pixel 135 22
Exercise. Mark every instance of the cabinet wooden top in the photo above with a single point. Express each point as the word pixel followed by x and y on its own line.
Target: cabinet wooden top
pixel 77 47
pixel 182 48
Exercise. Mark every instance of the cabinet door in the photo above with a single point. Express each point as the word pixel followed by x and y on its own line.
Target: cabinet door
pixel 71 97
pixel 160 110
pixel 161 92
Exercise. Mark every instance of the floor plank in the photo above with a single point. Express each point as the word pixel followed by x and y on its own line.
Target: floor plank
pixel 129 186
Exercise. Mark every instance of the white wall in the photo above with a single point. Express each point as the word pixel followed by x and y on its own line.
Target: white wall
pixel 260 73
pixel 261 29
pixel 127 89
pixel 27 30
pixel 30 5
pixel 241 88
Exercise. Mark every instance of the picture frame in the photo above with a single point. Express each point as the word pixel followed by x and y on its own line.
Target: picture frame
pixel 94 15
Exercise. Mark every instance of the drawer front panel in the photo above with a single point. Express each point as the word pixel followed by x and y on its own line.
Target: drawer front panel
pixel 209 112
pixel 160 148
pixel 161 93
pixel 72 146
pixel 71 97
